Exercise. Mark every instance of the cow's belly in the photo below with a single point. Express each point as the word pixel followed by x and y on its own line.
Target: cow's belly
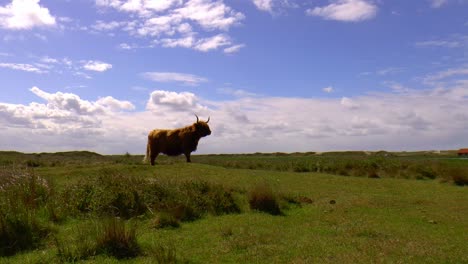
pixel 173 151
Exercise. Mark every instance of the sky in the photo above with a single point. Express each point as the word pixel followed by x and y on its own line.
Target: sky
pixel 272 75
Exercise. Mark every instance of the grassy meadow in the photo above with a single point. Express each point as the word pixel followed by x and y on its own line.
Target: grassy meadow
pixel 341 207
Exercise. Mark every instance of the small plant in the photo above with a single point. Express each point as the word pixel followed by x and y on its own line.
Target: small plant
pixel 262 198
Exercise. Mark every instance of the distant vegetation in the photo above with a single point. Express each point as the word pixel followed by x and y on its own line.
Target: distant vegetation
pixel 74 206
pixel 445 165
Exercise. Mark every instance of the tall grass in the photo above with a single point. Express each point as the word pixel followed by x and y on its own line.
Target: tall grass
pixel 23 196
pixel 108 236
pixel 115 194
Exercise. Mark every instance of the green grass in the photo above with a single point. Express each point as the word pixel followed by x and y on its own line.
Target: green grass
pixel 387 219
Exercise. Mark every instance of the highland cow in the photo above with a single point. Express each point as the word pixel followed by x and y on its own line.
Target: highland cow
pixel 175 142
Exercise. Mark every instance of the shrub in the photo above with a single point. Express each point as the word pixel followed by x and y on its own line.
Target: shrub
pixel 458 175
pixel 109 194
pixel 262 198
pixel 210 198
pixel 114 194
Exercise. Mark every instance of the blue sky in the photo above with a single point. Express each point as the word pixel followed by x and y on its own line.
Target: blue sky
pixel 274 75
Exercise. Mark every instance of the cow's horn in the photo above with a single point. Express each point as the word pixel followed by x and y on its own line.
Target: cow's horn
pixel 197 118
pixel 208 120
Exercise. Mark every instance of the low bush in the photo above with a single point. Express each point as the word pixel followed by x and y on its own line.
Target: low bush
pixel 262 198
pixel 114 194
pixel 458 175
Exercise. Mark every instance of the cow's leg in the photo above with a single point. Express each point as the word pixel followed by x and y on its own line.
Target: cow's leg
pixel 153 158
pixel 187 155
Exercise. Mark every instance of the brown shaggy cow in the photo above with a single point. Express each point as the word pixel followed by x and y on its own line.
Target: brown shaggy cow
pixel 175 142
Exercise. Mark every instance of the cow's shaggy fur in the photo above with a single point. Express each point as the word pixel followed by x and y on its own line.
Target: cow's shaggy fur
pixel 177 141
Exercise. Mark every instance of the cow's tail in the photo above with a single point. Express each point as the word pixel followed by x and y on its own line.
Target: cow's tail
pixel 148 152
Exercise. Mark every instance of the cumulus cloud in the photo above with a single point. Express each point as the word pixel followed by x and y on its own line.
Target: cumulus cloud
pixel 25 14
pixel 162 101
pixel 349 103
pixel 98 66
pixel 73 103
pixel 175 23
pixel 184 78
pixel 346 10
pixel 405 120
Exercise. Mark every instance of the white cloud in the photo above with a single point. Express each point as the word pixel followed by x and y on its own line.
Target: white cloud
pixel 389 71
pixel 328 89
pixel 201 44
pixel 443 75
pixel 439 43
pixel 25 14
pixel 214 42
pixel 187 79
pixel 106 26
pixel 273 6
pixel 233 49
pixel 346 10
pixel 175 23
pixel 407 120
pixel 22 67
pixel 264 5
pixel 235 92
pixel 349 103
pixel 98 66
pixel 438 3
pixel 163 101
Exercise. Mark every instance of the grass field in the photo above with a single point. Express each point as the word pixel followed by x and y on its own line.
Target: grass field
pixel 334 208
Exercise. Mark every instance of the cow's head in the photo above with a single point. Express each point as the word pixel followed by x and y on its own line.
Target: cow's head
pixel 202 127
